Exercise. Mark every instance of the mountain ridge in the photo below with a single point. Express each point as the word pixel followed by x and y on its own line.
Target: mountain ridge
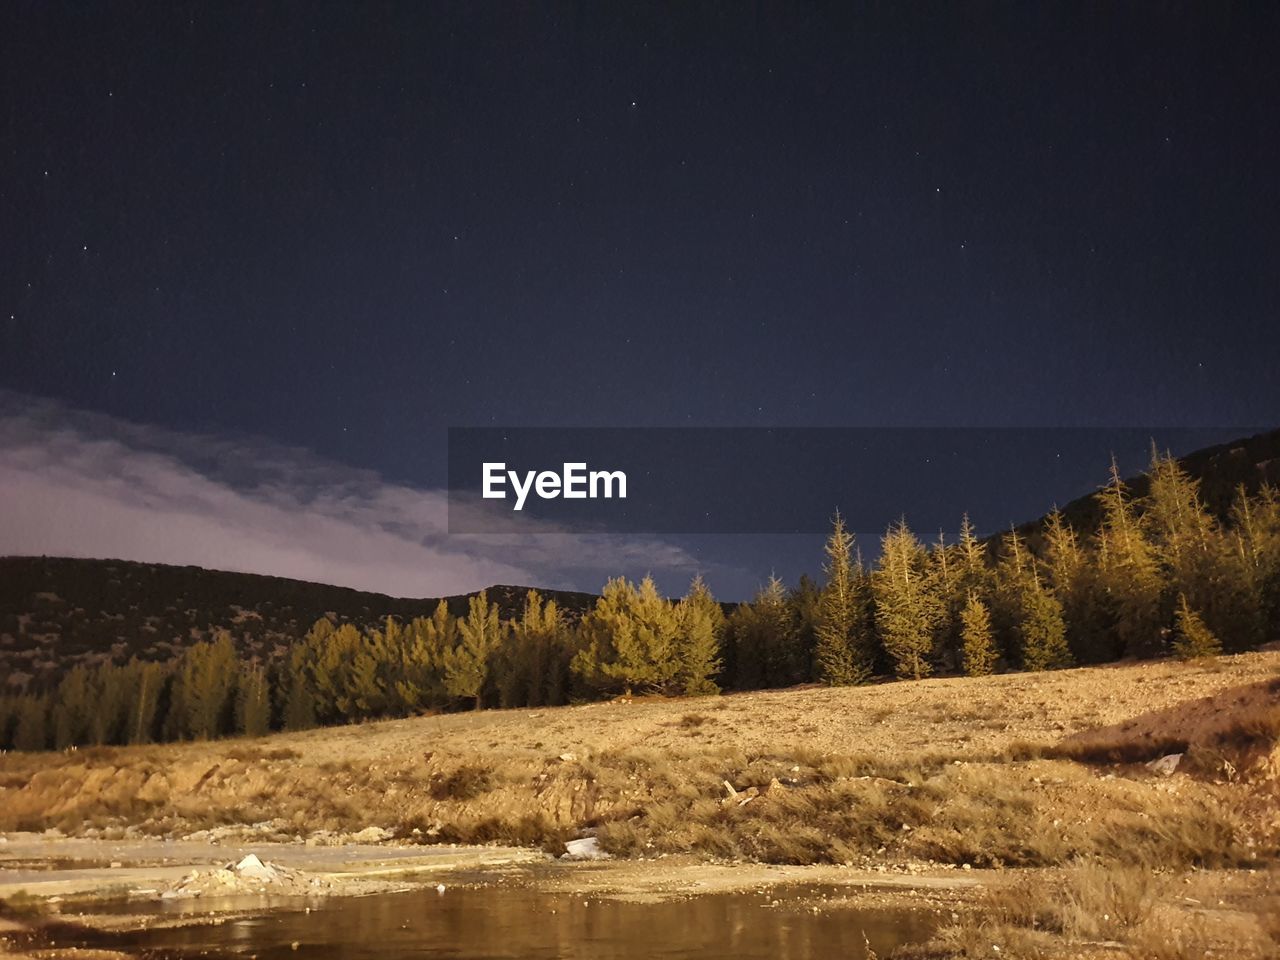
pixel 58 610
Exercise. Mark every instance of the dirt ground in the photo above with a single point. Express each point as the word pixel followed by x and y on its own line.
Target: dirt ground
pixel 526 777
pixel 33 865
pixel 969 717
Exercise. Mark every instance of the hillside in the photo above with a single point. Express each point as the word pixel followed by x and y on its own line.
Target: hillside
pixel 1221 470
pixel 902 784
pixel 523 775
pixel 55 611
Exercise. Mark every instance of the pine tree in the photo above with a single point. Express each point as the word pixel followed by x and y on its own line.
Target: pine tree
pixel 73 706
pixel 31 729
pixel 843 650
pixel 300 698
pixel 173 723
pixel 8 721
pixel 1130 570
pixel 631 640
pixel 427 641
pixel 208 679
pixel 762 641
pixel 1181 529
pixel 253 701
pixel 804 601
pixel 943 582
pixel 1265 546
pixel 1192 639
pixel 534 656
pixel 1253 562
pixel 742 670
pixel 392 656
pixel 1014 579
pixel 977 643
pixel 959 571
pixel 113 692
pixel 1042 630
pixel 145 681
pixel 344 672
pixel 467 664
pixel 907 611
pixel 701 626
pixel 973 574
pixel 367 681
pixel 1072 574
pixel 1193 551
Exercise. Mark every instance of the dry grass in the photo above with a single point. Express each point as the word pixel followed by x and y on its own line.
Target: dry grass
pixel 466 782
pixel 789 806
pixel 1255 727
pixel 1094 910
pixel 846 810
pixel 989 772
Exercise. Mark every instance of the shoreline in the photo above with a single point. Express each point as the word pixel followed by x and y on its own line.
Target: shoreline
pixel 55 870
pixel 54 904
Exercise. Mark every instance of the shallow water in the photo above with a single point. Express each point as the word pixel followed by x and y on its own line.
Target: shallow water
pixel 468 923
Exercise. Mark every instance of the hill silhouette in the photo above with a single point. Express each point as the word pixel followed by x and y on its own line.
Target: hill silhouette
pixel 55 611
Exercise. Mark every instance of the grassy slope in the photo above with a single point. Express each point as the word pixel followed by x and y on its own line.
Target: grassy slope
pixel 951 770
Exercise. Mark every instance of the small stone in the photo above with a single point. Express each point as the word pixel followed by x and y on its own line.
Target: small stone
pixel 1165 765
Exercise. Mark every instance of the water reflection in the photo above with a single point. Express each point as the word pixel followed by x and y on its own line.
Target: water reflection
pixel 501 922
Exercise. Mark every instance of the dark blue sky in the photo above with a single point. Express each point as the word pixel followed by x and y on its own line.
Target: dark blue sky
pixel 348 226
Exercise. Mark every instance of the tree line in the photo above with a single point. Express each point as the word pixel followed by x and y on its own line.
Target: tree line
pixel 1160 575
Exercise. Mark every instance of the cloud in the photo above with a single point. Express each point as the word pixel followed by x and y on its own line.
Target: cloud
pixel 88 485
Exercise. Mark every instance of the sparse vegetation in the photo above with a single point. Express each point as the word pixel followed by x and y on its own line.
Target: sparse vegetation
pixel 1125 911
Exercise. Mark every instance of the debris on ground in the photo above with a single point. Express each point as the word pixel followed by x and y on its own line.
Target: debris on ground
pixel 282 831
pixel 248 876
pixel 1165 765
pixel 588 848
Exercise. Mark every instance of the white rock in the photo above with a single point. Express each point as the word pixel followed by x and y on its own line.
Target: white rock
pixel 588 848
pixel 1165 765
pixel 254 869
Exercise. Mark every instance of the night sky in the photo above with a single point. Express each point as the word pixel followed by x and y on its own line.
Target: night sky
pixel 338 229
